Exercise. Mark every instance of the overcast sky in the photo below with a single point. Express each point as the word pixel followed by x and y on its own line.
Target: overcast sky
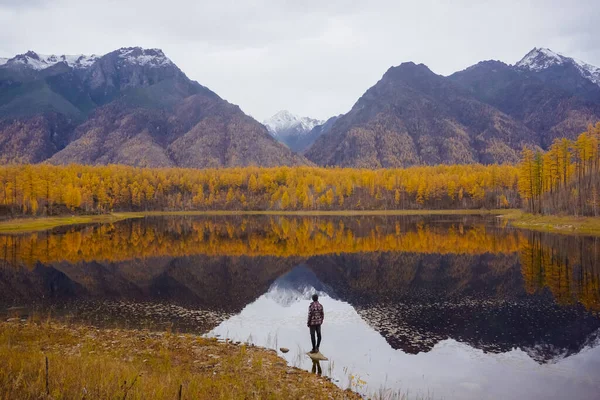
pixel 313 58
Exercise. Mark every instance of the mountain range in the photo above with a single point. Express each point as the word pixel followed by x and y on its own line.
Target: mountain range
pixel 131 106
pixel 485 113
pixel 135 106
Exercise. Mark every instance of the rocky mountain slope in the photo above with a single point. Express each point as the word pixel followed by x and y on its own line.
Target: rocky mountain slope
pixel 316 133
pixel 292 130
pixel 572 75
pixel 131 106
pixel 485 113
pixel 413 116
pixel 135 106
pixel 550 96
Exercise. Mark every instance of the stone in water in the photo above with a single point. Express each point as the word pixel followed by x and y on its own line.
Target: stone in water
pixel 317 356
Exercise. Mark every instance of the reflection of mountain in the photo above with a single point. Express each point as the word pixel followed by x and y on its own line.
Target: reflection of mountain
pixel 217 283
pixel 298 284
pixel 458 370
pixel 418 300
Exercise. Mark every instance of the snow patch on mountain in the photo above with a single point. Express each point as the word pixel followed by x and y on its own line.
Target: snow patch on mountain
pixel 42 61
pixel 540 59
pixel 139 56
pixel 591 72
pixel 286 122
pixel 298 284
pixel 129 55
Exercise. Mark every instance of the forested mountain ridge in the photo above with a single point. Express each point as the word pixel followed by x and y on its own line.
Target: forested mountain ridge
pixel 551 104
pixel 132 106
pixel 413 116
pixel 485 113
pixel 571 75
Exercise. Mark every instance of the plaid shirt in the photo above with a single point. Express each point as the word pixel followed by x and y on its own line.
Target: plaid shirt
pixel 315 314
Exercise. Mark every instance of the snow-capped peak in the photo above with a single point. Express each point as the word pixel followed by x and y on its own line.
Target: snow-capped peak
pixel 298 284
pixel 129 55
pixel 284 121
pixel 540 59
pixel 140 56
pixel 39 62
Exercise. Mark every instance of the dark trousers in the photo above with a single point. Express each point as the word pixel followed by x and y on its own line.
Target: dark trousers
pixel 315 329
pixel 316 368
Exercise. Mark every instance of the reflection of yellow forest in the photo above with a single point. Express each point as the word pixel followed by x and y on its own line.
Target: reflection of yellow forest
pixel 571 278
pixel 276 236
pixel 570 271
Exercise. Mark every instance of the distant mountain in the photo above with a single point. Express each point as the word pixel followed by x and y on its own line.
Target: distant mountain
pixel 485 113
pixel 544 91
pixel 131 106
pixel 292 130
pixel 570 74
pixel 413 116
pixel 39 62
pixel 316 132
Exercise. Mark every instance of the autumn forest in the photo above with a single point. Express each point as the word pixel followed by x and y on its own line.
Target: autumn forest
pixel 50 190
pixel 562 180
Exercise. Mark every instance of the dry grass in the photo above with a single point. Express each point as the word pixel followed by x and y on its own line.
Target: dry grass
pixel 44 223
pixel 89 363
pixel 554 223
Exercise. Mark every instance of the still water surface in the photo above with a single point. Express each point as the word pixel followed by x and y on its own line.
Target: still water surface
pixel 442 307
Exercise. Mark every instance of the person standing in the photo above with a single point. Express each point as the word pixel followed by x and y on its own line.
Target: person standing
pixel 315 320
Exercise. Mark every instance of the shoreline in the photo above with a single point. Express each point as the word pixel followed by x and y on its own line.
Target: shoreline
pixel 66 361
pixel 569 225
pixel 36 224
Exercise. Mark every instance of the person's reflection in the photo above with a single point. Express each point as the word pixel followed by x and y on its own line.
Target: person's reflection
pixel 316 367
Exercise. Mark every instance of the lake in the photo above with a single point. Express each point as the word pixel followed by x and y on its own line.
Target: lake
pixel 453 307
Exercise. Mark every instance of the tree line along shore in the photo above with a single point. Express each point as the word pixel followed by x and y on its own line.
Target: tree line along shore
pixel 562 181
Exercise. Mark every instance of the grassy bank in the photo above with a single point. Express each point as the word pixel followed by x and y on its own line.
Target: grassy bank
pixel 43 223
pixel 554 223
pixel 85 362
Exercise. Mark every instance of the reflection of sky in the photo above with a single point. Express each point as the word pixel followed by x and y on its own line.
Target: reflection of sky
pixel 451 370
